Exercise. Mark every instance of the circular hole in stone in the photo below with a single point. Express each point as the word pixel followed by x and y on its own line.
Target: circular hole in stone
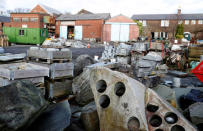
pixel 152 108
pixel 101 86
pixel 104 101
pixel 155 121
pixel 171 118
pixel 133 124
pixel 159 130
pixel 200 126
pixel 119 89
pixel 177 128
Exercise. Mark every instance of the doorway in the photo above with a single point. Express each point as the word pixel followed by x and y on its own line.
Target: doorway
pixel 70 32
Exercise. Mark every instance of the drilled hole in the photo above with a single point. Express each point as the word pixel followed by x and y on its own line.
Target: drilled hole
pixel 101 86
pixel 177 128
pixel 152 108
pixel 133 124
pixel 104 101
pixel 119 89
pixel 171 118
pixel 159 130
pixel 200 126
pixel 155 121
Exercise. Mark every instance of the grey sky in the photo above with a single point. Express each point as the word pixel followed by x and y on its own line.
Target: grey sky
pixel 115 7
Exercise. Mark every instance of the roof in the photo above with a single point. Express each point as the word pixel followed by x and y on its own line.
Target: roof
pixel 167 16
pixel 83 11
pixel 4 19
pixel 50 10
pixel 97 16
pixel 121 19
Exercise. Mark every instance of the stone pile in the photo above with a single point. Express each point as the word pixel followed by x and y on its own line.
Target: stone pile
pixel 148 69
pixel 60 66
pixel 10 73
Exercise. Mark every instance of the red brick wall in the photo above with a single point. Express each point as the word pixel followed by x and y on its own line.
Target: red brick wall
pixel 38 24
pixel 107 33
pixel 38 9
pixel 91 28
pixel 58 23
pixel 134 32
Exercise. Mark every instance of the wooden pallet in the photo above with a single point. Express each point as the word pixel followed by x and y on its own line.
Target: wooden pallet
pixel 47 61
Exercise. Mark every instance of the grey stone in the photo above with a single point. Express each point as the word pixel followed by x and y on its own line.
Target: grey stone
pixel 55 118
pixel 153 56
pixel 81 62
pixel 196 113
pixel 81 88
pixel 21 103
pixel 90 117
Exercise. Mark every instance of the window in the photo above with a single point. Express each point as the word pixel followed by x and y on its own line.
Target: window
pixel 193 22
pixel 180 22
pixel 164 23
pixel 187 22
pixel 33 19
pixel 16 19
pixel 21 32
pixel 144 23
pixel 200 22
pixel 25 19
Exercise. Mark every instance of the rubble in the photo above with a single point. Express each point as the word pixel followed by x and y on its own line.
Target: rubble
pixel 21 103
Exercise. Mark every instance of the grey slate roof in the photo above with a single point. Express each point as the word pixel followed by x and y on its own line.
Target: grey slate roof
pixel 4 19
pixel 97 16
pixel 50 10
pixel 167 17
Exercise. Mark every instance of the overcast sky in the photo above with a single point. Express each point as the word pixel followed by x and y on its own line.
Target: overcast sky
pixel 115 7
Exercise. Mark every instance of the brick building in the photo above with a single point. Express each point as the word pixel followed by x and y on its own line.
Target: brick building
pixel 159 26
pixel 26 28
pixel 4 20
pixel 49 21
pixel 33 27
pixel 82 26
pixel 120 28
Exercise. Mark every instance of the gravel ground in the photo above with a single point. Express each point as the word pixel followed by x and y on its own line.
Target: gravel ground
pixel 76 51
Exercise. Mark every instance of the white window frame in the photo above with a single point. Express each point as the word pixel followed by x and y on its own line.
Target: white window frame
pixel 144 23
pixel 164 23
pixel 193 22
pixel 187 22
pixel 200 22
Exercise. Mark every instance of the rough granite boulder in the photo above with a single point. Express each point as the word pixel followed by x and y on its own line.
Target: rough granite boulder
pixel 20 104
pixel 81 88
pixel 81 62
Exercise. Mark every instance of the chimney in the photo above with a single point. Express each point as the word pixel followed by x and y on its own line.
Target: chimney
pixel 179 10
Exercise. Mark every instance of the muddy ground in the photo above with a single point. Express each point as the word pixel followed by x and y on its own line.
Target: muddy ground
pixel 75 51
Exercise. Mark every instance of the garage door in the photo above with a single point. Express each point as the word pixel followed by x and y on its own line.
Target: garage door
pixel 63 31
pixel 115 29
pixel 120 32
pixel 78 33
pixel 124 33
